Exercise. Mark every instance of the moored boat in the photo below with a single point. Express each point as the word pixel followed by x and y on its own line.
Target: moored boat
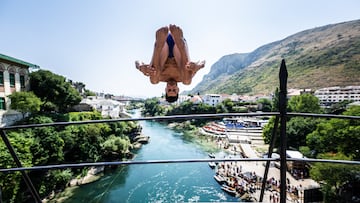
pixel 211 155
pixel 229 189
pixel 220 179
pixel 212 165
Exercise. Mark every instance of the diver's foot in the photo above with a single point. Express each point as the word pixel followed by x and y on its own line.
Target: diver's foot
pixel 178 37
pixel 161 36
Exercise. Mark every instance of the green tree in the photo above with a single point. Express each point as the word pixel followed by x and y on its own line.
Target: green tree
pixel 227 106
pixel 152 107
pixel 337 135
pixel 304 103
pixel 265 105
pixel 53 89
pixel 25 102
pixel 54 180
pixel 275 101
pixel 267 130
pixel 334 177
pixel 56 145
pixel 115 146
pixel 297 128
pixel 338 108
pixel 88 93
pixel 47 147
pixel 10 182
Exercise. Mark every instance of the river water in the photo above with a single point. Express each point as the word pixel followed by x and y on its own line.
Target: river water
pixel 183 182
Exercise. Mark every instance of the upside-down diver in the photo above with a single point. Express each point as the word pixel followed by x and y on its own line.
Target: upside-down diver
pixel 170 62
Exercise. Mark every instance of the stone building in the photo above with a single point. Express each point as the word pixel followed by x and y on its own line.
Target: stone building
pixel 14 77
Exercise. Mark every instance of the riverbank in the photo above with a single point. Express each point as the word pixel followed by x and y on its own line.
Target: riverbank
pixel 92 175
pixel 73 185
pixel 207 143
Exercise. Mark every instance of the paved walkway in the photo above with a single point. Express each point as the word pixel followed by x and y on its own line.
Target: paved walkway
pixel 248 151
pixel 259 169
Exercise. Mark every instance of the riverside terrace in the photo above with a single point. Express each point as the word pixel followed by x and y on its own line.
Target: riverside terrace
pixel 280 118
pixel 234 132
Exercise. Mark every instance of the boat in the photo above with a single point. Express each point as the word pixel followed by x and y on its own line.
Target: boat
pixel 212 165
pixel 211 155
pixel 220 179
pixel 229 189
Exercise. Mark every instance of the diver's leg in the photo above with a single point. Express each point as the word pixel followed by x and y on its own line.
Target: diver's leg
pixel 161 50
pixel 181 53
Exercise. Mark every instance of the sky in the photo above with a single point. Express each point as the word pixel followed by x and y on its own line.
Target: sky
pixel 98 42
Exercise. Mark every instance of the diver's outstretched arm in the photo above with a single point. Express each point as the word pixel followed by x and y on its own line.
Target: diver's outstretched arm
pixel 190 70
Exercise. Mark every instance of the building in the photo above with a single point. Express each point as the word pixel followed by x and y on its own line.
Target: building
pixel 182 98
pixel 107 107
pixel 297 92
pixel 212 99
pixel 298 169
pixel 196 99
pixel 331 95
pixel 14 77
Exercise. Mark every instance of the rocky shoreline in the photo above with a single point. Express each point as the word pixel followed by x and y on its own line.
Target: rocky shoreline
pixel 93 174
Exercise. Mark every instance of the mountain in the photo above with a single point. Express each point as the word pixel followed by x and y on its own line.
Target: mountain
pixel 315 58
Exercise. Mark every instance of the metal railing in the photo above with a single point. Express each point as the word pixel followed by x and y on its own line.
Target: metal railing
pixel 280 118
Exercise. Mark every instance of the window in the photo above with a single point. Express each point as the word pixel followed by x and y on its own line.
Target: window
pixel 2 103
pixel 12 80
pixel 1 78
pixel 22 81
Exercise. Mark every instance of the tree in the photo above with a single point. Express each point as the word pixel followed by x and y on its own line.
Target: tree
pixel 297 128
pixel 25 102
pixel 9 182
pixel 267 130
pixel 88 93
pixel 264 104
pixel 152 107
pixel 52 88
pixel 56 145
pixel 275 101
pixel 334 177
pixel 47 147
pixel 228 105
pixel 337 135
pixel 79 86
pixel 338 108
pixel 304 103
pixel 116 145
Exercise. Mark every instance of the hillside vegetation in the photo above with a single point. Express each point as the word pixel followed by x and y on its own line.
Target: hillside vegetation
pixel 315 58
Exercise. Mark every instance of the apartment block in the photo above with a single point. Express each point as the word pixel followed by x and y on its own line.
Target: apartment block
pixel 331 95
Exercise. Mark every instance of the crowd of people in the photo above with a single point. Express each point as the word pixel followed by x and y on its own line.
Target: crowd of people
pixel 244 184
pixel 241 183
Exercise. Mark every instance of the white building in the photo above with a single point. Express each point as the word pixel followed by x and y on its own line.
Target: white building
pixel 331 95
pixel 14 77
pixel 107 107
pixel 212 99
pixel 182 98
